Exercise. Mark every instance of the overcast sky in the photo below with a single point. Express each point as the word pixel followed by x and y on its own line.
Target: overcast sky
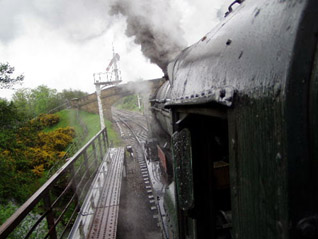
pixel 61 43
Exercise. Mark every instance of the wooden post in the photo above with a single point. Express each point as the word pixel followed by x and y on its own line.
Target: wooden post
pixel 94 152
pixel 106 138
pixel 49 216
pixel 86 162
pixel 100 148
pixel 74 184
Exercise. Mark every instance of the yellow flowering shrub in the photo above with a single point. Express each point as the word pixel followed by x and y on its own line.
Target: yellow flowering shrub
pixel 30 153
pixel 45 120
pixel 38 170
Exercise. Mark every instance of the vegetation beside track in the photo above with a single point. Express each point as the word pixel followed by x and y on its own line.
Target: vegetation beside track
pixel 85 125
pixel 69 118
pixel 129 102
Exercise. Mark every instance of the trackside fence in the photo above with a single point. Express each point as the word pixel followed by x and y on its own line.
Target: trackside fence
pixel 54 207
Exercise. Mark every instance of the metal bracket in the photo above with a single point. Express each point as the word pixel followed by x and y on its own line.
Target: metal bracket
pixel 308 227
pixel 230 7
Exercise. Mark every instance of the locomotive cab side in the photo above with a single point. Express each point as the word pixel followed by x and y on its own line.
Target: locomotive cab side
pixel 243 102
pixel 203 183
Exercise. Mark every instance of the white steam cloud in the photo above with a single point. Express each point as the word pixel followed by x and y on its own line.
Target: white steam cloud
pixel 62 43
pixel 79 20
pixel 155 26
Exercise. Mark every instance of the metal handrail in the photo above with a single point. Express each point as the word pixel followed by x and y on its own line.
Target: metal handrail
pixel 72 147
pixel 98 144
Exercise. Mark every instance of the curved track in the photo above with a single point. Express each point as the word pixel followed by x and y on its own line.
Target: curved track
pixel 135 122
pixel 137 127
pixel 138 215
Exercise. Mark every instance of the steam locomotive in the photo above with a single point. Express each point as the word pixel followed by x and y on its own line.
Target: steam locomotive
pixel 237 126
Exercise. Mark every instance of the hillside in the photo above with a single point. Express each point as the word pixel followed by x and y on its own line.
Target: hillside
pixel 85 126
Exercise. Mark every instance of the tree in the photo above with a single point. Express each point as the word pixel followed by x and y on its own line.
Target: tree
pixel 32 102
pixel 22 100
pixel 6 79
pixel 44 99
pixel 10 121
pixel 70 94
pixel 9 117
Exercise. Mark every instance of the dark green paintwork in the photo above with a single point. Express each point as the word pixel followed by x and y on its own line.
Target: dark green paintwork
pixel 268 75
pixel 171 210
pixel 258 169
pixel 314 122
pixel 181 149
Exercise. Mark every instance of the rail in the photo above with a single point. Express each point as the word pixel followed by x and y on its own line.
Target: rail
pixel 60 198
pixel 99 213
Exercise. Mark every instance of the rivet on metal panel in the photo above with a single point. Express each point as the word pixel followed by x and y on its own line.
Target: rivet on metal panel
pixel 241 54
pixel 228 42
pixel 257 12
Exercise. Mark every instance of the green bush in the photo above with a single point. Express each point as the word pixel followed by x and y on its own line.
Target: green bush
pixel 28 154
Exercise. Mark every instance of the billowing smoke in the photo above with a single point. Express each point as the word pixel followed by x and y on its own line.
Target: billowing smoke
pixel 155 26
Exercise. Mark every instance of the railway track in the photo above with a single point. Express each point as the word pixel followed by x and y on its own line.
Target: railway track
pixel 137 126
pixel 140 180
pixel 135 123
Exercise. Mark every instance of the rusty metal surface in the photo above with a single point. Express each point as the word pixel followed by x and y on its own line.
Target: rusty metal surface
pixel 104 224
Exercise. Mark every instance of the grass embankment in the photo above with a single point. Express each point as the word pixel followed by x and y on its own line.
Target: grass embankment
pixel 69 117
pixel 114 138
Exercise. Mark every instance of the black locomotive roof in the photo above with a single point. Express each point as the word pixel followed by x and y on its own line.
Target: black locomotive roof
pixel 250 53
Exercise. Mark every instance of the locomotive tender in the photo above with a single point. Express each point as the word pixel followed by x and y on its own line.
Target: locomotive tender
pixel 237 121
